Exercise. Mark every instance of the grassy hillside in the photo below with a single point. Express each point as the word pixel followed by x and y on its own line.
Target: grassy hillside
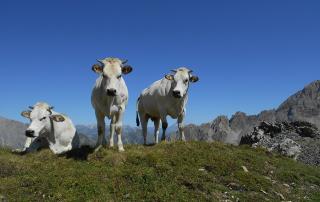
pixel 193 171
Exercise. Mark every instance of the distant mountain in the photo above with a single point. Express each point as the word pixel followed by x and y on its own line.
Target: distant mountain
pixel 131 135
pixel 12 133
pixel 302 106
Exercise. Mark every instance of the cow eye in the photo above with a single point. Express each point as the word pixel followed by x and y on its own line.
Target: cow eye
pixel 186 81
pixel 43 118
pixel 119 76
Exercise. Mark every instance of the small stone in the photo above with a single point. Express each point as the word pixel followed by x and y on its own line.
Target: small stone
pixel 202 169
pixel 268 178
pixel 286 185
pixel 245 169
pixel 280 195
pixel 263 191
pixel 126 195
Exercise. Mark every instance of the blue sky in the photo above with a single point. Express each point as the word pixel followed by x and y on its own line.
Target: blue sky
pixel 249 55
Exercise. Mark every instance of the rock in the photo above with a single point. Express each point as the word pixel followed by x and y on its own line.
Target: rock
pixel 289 148
pixel 299 140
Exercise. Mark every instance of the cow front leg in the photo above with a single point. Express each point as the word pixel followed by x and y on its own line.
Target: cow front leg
pixel 112 130
pixel 29 146
pixel 181 127
pixel 164 128
pixel 101 130
pixel 156 130
pixel 119 130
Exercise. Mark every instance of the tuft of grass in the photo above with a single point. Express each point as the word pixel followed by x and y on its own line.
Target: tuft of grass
pixel 192 171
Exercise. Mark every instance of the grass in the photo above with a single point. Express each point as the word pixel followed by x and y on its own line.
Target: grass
pixel 192 171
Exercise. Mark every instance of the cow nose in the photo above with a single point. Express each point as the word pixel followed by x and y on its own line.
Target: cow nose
pixel 176 93
pixel 111 92
pixel 30 133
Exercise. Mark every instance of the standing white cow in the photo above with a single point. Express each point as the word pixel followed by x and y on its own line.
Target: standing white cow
pixel 167 96
pixel 109 98
pixel 49 128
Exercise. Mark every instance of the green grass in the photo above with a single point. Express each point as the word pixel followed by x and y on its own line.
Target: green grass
pixel 192 171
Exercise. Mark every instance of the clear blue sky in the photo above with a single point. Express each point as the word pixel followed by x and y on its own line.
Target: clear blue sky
pixel 249 55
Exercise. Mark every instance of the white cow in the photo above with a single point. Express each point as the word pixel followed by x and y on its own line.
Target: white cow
pixel 167 96
pixel 49 128
pixel 109 98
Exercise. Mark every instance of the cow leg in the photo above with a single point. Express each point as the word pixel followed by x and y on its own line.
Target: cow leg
pixel 156 130
pixel 119 130
pixel 29 146
pixel 164 127
pixel 181 126
pixel 112 130
pixel 101 130
pixel 144 125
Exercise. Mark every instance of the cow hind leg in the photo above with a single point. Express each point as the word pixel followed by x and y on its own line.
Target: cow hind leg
pixel 144 124
pixel 156 130
pixel 164 128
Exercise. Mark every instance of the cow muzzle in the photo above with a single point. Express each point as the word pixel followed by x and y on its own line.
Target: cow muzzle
pixel 111 92
pixel 176 94
pixel 30 133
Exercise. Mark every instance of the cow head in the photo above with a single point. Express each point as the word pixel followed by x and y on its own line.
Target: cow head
pixel 40 115
pixel 112 70
pixel 181 79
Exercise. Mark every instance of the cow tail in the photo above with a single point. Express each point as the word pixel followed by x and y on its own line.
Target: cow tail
pixel 137 115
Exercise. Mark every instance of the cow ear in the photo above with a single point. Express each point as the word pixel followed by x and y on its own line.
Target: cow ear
pixel 57 118
pixel 97 68
pixel 26 114
pixel 169 77
pixel 194 79
pixel 126 69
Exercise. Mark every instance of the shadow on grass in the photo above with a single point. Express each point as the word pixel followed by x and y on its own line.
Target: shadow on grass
pixel 81 153
pixel 149 145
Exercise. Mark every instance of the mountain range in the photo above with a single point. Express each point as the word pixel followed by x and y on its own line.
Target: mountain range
pixel 302 106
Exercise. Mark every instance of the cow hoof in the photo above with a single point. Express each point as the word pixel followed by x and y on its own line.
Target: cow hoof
pixel 19 151
pixel 121 150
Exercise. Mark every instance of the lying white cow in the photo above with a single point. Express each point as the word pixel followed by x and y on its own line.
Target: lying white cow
pixel 109 98
pixel 49 128
pixel 167 96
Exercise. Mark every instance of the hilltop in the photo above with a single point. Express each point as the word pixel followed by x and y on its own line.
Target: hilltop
pixel 192 171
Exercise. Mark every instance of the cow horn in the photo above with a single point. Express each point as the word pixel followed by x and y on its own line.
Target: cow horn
pixel 49 110
pixel 173 70
pixel 190 71
pixel 124 61
pixel 30 107
pixel 100 61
